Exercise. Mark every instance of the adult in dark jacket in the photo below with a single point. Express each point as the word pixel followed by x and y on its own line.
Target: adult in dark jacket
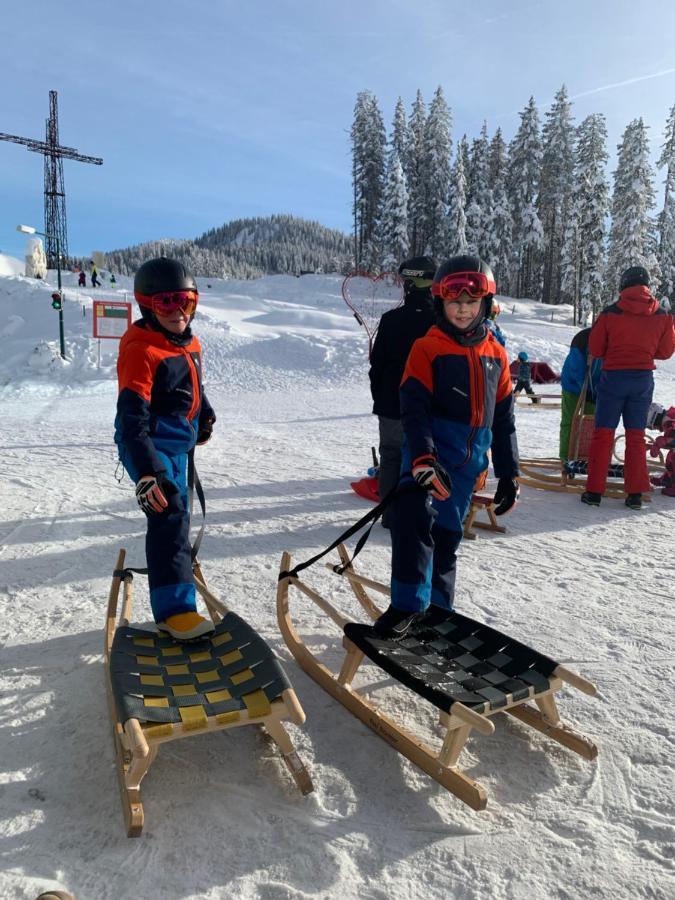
pixel 628 336
pixel 398 330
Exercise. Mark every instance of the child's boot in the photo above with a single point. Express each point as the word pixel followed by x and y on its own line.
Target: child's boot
pixel 186 626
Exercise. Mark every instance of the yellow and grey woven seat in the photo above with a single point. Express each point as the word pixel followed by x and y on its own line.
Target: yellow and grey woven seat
pixel 160 690
pixel 162 682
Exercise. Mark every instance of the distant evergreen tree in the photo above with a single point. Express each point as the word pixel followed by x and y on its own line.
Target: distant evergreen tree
pixel 497 156
pixel 479 195
pixel 456 219
pixel 632 237
pixel 583 254
pixel 414 169
pixel 394 228
pixel 666 252
pixel 368 159
pixel 555 189
pixel 523 189
pixel 499 222
pixel 437 150
pixel 399 133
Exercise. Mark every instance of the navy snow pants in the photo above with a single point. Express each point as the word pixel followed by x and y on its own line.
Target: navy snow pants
pixel 167 546
pixel 425 535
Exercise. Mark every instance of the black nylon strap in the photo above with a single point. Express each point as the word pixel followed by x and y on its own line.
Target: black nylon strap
pixel 372 516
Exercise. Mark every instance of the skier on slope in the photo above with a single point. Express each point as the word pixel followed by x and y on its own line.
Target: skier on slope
pixel 162 412
pixel 456 403
pixel 397 332
pixel 628 336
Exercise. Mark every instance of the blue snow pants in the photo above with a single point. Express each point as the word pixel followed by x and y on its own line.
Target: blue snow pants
pixel 624 393
pixel 425 535
pixel 167 546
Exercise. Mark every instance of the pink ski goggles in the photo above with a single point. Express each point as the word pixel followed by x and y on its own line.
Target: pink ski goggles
pixel 167 302
pixel 475 284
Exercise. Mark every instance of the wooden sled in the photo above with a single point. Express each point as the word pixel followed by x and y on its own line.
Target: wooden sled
pixel 541 401
pixel 549 474
pixel 444 673
pixel 160 690
pixel 480 502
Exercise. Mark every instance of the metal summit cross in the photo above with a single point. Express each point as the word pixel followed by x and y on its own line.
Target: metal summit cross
pixel 55 195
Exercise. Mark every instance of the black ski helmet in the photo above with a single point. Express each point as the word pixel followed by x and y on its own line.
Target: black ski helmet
pixel 418 267
pixel 463 263
pixel 163 274
pixel 633 276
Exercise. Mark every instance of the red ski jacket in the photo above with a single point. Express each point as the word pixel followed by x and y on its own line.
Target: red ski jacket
pixel 633 332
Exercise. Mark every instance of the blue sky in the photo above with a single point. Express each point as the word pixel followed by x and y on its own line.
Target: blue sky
pixel 209 110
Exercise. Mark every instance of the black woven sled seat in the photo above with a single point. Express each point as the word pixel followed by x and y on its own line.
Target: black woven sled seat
pixel 458 660
pixel 163 682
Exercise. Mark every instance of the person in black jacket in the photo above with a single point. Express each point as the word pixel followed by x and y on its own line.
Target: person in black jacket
pixel 397 332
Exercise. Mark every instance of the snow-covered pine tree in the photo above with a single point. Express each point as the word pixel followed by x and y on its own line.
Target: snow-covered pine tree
pixel 437 151
pixel 456 218
pixel 414 169
pixel 583 255
pixel 499 223
pixel 667 215
pixel 632 237
pixel 368 140
pixel 555 189
pixel 522 188
pixel 394 223
pixel 399 133
pixel 480 195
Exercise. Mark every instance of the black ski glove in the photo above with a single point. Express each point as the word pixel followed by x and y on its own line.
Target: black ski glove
pixel 506 495
pixel 205 432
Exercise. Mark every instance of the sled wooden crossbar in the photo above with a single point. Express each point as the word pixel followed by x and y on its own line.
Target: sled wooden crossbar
pixel 539 401
pixel 467 670
pixel 161 690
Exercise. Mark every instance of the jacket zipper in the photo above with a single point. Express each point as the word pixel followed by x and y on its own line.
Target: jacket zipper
pixel 194 379
pixel 473 359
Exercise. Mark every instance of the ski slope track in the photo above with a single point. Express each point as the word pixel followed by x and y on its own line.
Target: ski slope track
pixel 286 370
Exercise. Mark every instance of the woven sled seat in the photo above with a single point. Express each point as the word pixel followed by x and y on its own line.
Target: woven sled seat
pixel 160 681
pixel 458 660
pixel 161 690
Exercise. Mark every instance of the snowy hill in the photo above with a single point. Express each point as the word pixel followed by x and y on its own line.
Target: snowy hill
pixel 286 370
pixel 9 265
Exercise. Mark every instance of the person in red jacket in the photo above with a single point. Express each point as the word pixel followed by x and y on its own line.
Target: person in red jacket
pixel 456 405
pixel 628 336
pixel 162 412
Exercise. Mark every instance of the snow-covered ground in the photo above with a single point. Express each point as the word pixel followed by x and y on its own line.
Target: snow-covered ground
pixel 286 370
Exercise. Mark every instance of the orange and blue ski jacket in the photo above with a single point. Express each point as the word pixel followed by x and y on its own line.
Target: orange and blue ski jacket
pixel 457 402
pixel 161 405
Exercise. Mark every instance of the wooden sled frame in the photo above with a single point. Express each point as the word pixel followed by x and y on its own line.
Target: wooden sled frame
pixel 440 764
pixel 479 502
pixel 136 749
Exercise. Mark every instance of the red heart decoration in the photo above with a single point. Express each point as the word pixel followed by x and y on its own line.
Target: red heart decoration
pixel 370 296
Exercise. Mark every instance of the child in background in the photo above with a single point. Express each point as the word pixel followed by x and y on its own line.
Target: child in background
pixel 665 422
pixel 162 412
pixel 524 383
pixel 574 371
pixel 456 404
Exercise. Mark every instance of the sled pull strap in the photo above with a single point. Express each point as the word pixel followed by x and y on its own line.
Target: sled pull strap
pixel 372 516
pixel 194 484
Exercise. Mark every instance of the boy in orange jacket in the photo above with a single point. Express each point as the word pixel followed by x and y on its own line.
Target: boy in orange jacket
pixel 162 412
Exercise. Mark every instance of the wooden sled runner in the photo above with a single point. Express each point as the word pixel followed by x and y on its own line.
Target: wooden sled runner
pixel 160 690
pixel 467 670
pixel 540 401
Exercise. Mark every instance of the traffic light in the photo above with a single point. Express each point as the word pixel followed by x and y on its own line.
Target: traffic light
pixel 56 300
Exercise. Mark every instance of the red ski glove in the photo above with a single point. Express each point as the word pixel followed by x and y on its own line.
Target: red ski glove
pixel 151 491
pixel 430 475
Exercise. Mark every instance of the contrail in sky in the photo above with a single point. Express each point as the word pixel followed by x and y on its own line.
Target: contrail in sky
pixel 617 84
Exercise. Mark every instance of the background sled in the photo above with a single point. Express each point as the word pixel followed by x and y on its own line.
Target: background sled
pixel 160 690
pixel 539 401
pixel 481 502
pixel 467 670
